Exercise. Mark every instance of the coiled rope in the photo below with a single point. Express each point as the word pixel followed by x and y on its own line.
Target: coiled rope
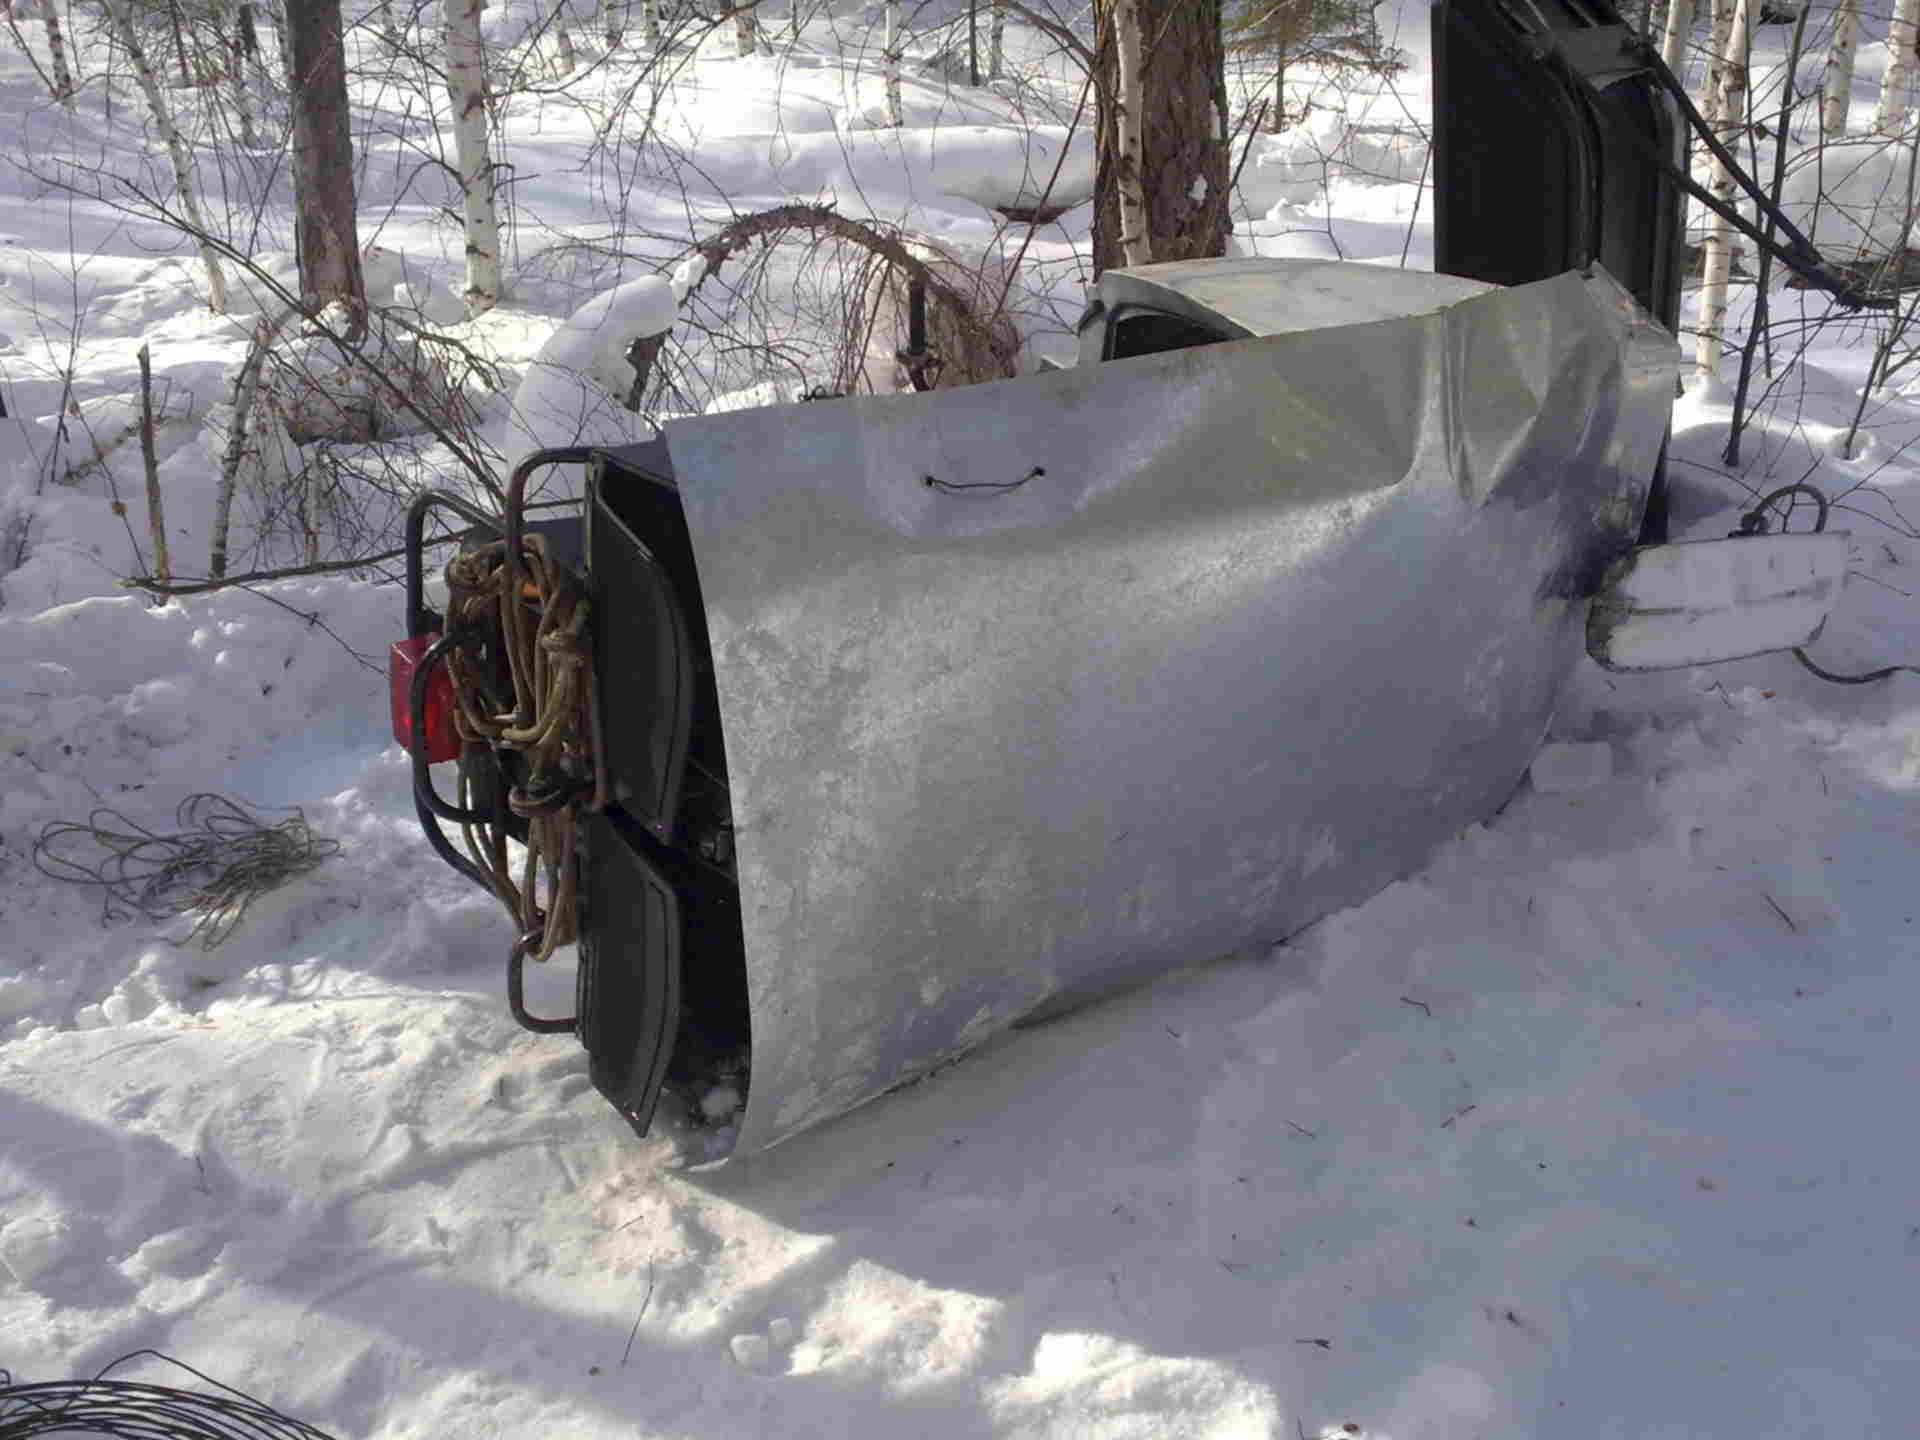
pixel 531 622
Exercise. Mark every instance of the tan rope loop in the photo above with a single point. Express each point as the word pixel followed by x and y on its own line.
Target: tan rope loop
pixel 530 691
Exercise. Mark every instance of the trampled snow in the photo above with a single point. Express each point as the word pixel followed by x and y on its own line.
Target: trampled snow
pixel 1595 1127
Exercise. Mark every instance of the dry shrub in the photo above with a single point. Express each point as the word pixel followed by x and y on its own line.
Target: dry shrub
pixel 814 301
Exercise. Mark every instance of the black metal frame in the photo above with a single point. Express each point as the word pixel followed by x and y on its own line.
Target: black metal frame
pixel 1558 91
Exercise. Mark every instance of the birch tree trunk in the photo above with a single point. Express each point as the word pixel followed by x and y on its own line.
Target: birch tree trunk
pixel 567 61
pixel 179 44
pixel 650 24
pixel 1673 48
pixel 1129 159
pixel 250 44
pixel 1838 81
pixel 997 42
pixel 325 216
pixel 467 88
pixel 156 514
pixel 57 53
pixel 746 29
pixel 185 186
pixel 890 65
pixel 390 33
pixel 613 22
pixel 1709 107
pixel 1160 182
pixel 1896 86
pixel 1719 250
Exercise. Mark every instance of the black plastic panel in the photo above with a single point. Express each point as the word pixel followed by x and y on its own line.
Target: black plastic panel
pixel 629 977
pixel 644 665
pixel 1536 170
pixel 1543 121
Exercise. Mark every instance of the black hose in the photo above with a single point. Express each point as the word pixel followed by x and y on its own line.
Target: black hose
pixel 135 1410
pixel 1866 679
pixel 516 993
pixel 417 718
pixel 428 807
pixel 1754 522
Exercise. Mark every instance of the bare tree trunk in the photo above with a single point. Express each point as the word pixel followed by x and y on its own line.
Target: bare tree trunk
pixel 467 88
pixel 613 22
pixel 1673 48
pixel 1896 86
pixel 563 40
pixel 390 33
pixel 185 186
pixel 310 510
pixel 1719 253
pixel 1838 81
pixel 997 41
pixel 1180 126
pixel 890 65
pixel 1722 31
pixel 250 44
pixel 1277 121
pixel 325 215
pixel 57 53
pixel 179 44
pixel 650 24
pixel 156 516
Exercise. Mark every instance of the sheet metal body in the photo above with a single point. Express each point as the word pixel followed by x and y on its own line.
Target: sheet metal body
pixel 1036 688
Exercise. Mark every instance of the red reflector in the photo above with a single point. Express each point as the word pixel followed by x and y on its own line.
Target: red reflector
pixel 443 741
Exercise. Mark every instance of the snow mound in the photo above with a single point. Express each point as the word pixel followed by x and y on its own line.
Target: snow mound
pixel 1565 765
pixel 401 379
pixel 1850 197
pixel 1297 166
pixel 576 391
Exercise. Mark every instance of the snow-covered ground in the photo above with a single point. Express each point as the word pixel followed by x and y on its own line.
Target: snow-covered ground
pixel 1592 1128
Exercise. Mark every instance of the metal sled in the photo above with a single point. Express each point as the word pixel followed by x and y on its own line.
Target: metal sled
pixel 922 715
pixel 1027 690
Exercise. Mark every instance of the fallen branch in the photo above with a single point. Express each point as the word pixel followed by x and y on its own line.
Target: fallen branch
pixel 161 585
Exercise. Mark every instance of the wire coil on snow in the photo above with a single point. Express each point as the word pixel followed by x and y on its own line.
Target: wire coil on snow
pixel 219 862
pixel 134 1410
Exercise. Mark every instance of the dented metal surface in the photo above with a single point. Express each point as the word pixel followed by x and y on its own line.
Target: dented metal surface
pixel 1034 688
